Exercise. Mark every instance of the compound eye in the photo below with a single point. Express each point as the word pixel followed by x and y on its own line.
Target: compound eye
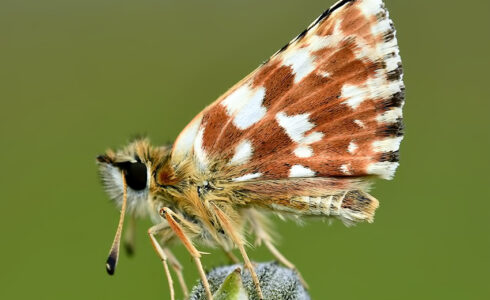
pixel 135 174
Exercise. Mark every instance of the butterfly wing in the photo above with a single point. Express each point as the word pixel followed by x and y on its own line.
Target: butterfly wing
pixel 302 132
pixel 328 104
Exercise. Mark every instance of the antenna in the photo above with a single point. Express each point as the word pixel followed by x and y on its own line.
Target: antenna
pixel 114 253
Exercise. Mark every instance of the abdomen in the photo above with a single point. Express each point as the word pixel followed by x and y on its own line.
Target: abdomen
pixel 349 206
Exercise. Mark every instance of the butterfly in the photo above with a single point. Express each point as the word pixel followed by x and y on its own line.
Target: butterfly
pixel 302 135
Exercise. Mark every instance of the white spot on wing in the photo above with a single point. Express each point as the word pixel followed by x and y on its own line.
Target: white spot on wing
pixel 393 63
pixel 303 152
pixel 378 87
pixel 312 138
pixel 295 126
pixel 385 170
pixel 390 116
pixel 371 7
pixel 199 152
pixel 243 153
pixel 248 177
pixel 245 106
pixel 237 99
pixel 345 169
pixel 185 140
pixel 354 95
pixel 252 112
pixel 301 61
pixel 352 147
pixel 325 74
pixel 381 27
pixel 319 42
pixel 300 171
pixel 387 145
pixel 374 88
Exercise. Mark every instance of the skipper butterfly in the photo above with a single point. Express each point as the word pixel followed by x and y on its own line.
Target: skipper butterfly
pixel 301 135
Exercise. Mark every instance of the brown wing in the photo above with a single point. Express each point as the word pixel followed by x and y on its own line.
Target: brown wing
pixel 328 104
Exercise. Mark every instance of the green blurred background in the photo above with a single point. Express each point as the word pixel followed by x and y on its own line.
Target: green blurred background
pixel 79 76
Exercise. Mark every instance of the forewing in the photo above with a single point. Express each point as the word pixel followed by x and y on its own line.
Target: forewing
pixel 328 104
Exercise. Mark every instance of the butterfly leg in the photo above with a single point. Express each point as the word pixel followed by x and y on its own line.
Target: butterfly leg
pixel 129 237
pixel 196 255
pixel 283 260
pixel 177 267
pixel 237 239
pixel 163 256
pixel 233 259
pixel 259 227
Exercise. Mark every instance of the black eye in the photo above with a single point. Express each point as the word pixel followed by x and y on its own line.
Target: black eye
pixel 135 174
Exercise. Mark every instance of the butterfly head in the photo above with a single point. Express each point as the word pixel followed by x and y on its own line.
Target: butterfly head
pixel 135 163
pixel 126 177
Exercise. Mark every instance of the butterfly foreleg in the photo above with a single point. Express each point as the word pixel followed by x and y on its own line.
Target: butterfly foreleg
pixel 172 218
pixel 261 231
pixel 129 237
pixel 236 237
pixel 152 231
pixel 177 267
